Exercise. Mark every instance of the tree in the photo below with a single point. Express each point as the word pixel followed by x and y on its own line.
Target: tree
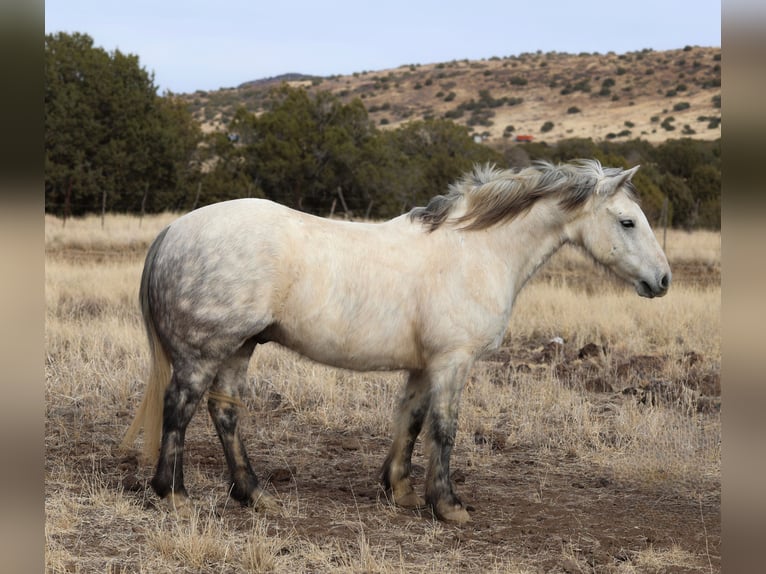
pixel 432 154
pixel 304 148
pixel 311 152
pixel 106 129
pixel 705 186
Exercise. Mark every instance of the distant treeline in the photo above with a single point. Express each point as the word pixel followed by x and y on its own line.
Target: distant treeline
pixel 112 143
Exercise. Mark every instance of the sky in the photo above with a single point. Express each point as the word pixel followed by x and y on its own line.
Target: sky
pixel 194 45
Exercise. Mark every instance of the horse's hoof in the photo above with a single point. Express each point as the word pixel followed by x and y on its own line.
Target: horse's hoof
pixel 410 500
pixel 264 502
pixel 453 514
pixel 178 503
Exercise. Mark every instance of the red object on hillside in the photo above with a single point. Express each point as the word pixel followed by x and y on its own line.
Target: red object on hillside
pixel 524 138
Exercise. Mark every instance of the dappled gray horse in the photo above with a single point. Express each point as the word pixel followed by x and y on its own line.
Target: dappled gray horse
pixel 427 292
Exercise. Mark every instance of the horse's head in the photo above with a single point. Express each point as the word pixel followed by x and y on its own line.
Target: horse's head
pixel 614 230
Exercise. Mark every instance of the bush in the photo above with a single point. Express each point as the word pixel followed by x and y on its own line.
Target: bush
pixel 573 110
pixel 547 126
pixel 667 123
pixel 681 106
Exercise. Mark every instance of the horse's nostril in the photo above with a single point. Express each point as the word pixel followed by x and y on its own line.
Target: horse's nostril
pixel 665 281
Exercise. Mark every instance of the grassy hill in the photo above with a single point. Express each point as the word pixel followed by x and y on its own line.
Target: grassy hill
pixel 652 95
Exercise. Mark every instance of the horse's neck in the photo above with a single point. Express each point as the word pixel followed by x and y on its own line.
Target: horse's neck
pixel 527 242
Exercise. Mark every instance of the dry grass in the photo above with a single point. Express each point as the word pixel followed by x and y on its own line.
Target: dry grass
pixel 95 359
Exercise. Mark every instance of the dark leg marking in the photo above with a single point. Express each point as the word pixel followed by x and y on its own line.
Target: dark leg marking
pixel 223 405
pixel 439 486
pixel 181 400
pixel 225 417
pixel 448 384
pixel 412 411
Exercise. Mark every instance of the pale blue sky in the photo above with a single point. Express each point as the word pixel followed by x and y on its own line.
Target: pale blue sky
pixel 194 44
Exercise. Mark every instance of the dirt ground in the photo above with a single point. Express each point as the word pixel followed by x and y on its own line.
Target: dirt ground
pixel 550 511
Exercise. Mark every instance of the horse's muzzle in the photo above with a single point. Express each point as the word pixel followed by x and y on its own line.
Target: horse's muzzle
pixel 656 288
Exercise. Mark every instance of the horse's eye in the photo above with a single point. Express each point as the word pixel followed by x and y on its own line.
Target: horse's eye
pixel 627 223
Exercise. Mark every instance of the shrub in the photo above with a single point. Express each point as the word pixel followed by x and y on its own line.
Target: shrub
pixel 681 106
pixel 573 110
pixel 518 81
pixel 667 123
pixel 547 126
pixel 712 83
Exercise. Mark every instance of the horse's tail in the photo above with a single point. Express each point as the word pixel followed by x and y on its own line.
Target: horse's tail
pixel 149 413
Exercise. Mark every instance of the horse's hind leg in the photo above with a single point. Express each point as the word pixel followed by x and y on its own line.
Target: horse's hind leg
pixel 223 402
pixel 408 423
pixel 182 397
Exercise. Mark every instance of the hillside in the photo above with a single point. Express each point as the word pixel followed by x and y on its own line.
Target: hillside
pixel 652 95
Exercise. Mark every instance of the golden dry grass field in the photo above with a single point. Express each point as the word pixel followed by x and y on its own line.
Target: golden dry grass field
pixel 601 454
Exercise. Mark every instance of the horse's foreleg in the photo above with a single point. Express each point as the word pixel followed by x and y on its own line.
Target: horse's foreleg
pixel 407 425
pixel 447 385
pixel 181 400
pixel 223 403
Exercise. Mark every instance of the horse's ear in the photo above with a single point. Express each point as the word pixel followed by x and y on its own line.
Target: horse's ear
pixel 616 182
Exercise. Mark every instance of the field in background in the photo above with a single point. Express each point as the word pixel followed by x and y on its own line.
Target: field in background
pixel 598 454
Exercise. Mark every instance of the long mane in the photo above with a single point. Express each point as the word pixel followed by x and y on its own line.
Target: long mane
pixel 491 195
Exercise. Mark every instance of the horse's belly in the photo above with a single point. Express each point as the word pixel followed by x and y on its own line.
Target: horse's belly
pixel 351 350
